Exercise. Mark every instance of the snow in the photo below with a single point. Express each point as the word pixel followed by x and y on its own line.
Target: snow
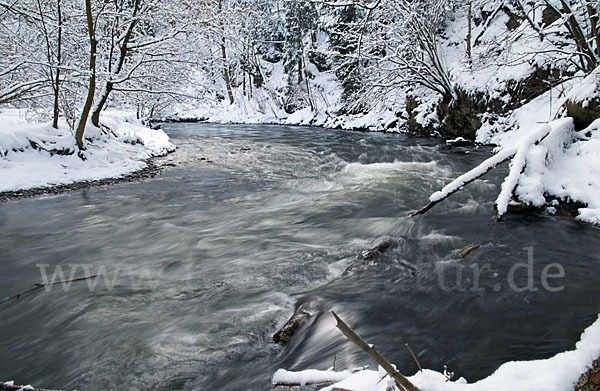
pixel 551 161
pixel 557 373
pixel 562 166
pixel 300 117
pixel 588 89
pixel 473 174
pixel 575 174
pixel 309 376
pixel 516 166
pixel 11 384
pixel 32 153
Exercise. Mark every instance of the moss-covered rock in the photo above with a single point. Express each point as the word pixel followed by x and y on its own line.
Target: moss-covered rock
pixel 461 117
pixel 416 126
pixel 584 115
pixel 524 90
pixel 590 381
pixel 583 102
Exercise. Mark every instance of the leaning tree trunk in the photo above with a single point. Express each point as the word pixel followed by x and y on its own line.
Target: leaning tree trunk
pixel 92 82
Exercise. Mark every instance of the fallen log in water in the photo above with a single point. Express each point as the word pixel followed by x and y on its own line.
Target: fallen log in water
pixel 518 154
pixel 304 312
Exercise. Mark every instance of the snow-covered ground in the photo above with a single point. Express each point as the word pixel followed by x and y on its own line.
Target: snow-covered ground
pixel 558 373
pixel 34 154
pixel 552 161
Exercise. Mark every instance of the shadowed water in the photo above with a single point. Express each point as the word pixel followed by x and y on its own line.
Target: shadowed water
pixel 209 259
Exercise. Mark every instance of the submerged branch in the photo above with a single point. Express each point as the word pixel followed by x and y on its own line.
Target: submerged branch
pixel 401 381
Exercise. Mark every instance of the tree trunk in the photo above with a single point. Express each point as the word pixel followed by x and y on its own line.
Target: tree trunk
pixel 92 81
pixel 56 112
pixel 593 16
pixel 108 87
pixel 469 32
pixel 588 58
pixel 224 58
pixel 226 72
pixel 101 102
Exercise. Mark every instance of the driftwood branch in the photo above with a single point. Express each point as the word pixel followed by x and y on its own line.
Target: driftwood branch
pixel 414 356
pixel 401 381
pixel 472 247
pixel 37 286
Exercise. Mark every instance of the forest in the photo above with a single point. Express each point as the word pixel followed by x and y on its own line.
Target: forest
pixel 384 110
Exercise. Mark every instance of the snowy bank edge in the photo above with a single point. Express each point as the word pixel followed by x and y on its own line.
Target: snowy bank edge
pixel 122 150
pixel 558 373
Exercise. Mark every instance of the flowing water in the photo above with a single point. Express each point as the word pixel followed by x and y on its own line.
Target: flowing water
pixel 209 259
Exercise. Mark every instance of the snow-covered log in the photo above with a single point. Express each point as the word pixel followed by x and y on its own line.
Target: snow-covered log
pixel 557 373
pixel 468 177
pixel 531 155
pixel 517 166
pixel 308 377
pixel 552 137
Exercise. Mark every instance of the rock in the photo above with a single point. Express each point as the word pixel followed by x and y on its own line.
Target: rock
pixel 414 126
pixel 583 102
pixel 582 115
pixel 379 249
pixel 549 15
pixel 320 60
pixel 297 321
pixel 590 381
pixel 459 142
pixel 514 20
pixel 302 316
pixel 461 117
pixel 524 90
pixel 370 256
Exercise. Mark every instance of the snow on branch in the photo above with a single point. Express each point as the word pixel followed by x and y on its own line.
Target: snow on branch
pixel 530 156
pixel 468 177
pixel 308 377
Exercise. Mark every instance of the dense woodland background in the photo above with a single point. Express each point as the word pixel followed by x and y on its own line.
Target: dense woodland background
pixel 433 66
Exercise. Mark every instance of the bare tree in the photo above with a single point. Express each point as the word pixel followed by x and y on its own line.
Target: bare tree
pixel 121 42
pixel 91 28
pixel 398 43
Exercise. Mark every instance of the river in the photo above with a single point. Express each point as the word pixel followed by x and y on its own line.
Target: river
pixel 207 260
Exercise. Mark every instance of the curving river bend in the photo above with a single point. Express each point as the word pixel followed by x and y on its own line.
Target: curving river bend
pixel 209 259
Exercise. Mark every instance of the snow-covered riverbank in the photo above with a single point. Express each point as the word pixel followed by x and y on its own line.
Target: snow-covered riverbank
pixel 35 155
pixel 558 373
